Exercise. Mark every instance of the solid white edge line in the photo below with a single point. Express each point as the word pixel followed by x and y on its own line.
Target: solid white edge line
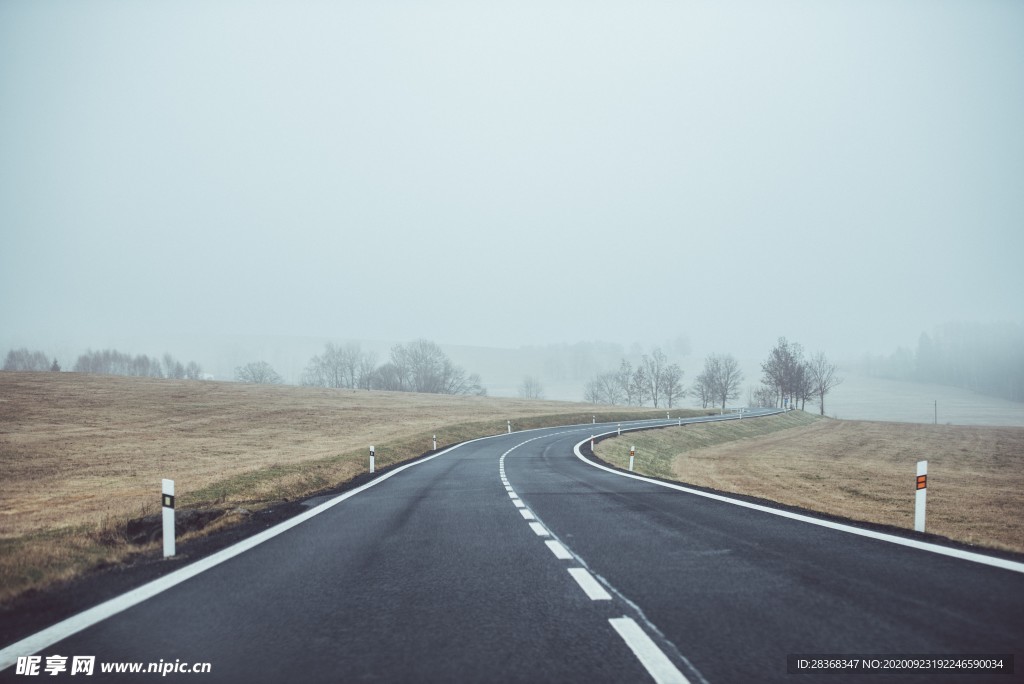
pixel 87 618
pixel 882 536
pixel 647 652
pixel 590 586
pixel 76 623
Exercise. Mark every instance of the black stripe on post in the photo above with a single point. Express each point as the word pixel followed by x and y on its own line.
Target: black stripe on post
pixel 168 501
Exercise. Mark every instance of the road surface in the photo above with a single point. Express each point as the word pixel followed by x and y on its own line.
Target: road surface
pixel 513 559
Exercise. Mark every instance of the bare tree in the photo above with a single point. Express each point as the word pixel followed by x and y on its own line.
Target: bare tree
pixel 783 372
pixel 764 397
pixel 531 388
pixel 624 378
pixel 640 384
pixel 388 378
pixel 724 376
pixel 672 384
pixel 702 388
pixel 328 369
pixel 173 369
pixel 193 371
pixel 605 388
pixel 24 360
pixel 367 366
pixel 654 372
pixel 822 377
pixel 421 366
pixel 258 373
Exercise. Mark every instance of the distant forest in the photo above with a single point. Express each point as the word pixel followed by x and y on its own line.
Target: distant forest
pixel 984 358
pixel 107 362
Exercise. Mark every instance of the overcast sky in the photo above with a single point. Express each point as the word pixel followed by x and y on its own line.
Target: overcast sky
pixel 848 174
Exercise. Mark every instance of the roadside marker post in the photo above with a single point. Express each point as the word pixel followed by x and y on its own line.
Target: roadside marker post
pixel 593 420
pixel 372 455
pixel 921 495
pixel 435 442
pixel 167 501
pixel 632 453
pixel 510 427
pixel 618 430
pixel 591 443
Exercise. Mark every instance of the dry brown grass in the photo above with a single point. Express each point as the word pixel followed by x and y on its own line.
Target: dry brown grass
pixel 81 455
pixel 855 469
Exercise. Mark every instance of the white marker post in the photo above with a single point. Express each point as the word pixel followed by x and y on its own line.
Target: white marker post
pixel 510 427
pixel 591 443
pixel 168 506
pixel 593 420
pixel 632 452
pixel 921 496
pixel 618 430
pixel 372 455
pixel 435 442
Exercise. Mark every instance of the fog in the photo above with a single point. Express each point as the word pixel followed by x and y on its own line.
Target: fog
pixel 846 174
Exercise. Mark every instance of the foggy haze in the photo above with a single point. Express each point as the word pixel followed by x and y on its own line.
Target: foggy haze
pixel 845 174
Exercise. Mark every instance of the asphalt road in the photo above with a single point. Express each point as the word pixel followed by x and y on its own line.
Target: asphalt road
pixel 511 559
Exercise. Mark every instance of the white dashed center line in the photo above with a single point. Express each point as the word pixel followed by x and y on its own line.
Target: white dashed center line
pixel 561 553
pixel 590 586
pixel 654 660
pixel 647 652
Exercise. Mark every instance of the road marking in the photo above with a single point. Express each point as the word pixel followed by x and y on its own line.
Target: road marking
pixel 561 553
pixel 881 536
pixel 527 514
pixel 647 652
pixel 519 503
pixel 512 495
pixel 539 529
pixel 590 586
pixel 76 623
pixel 508 488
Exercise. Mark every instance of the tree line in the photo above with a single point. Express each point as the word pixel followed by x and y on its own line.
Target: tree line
pixel 788 380
pixel 25 360
pixel 418 366
pixel 983 358
pixel 107 362
pixel 656 381
pixel 653 380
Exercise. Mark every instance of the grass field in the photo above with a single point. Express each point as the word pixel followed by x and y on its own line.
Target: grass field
pixel 855 469
pixel 81 456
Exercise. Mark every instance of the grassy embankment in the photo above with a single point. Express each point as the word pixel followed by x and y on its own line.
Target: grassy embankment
pixel 82 457
pixel 855 469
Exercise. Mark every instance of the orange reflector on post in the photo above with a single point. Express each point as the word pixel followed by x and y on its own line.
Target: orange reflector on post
pixel 922 481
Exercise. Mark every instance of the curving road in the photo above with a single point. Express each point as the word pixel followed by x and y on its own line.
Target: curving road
pixel 514 559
